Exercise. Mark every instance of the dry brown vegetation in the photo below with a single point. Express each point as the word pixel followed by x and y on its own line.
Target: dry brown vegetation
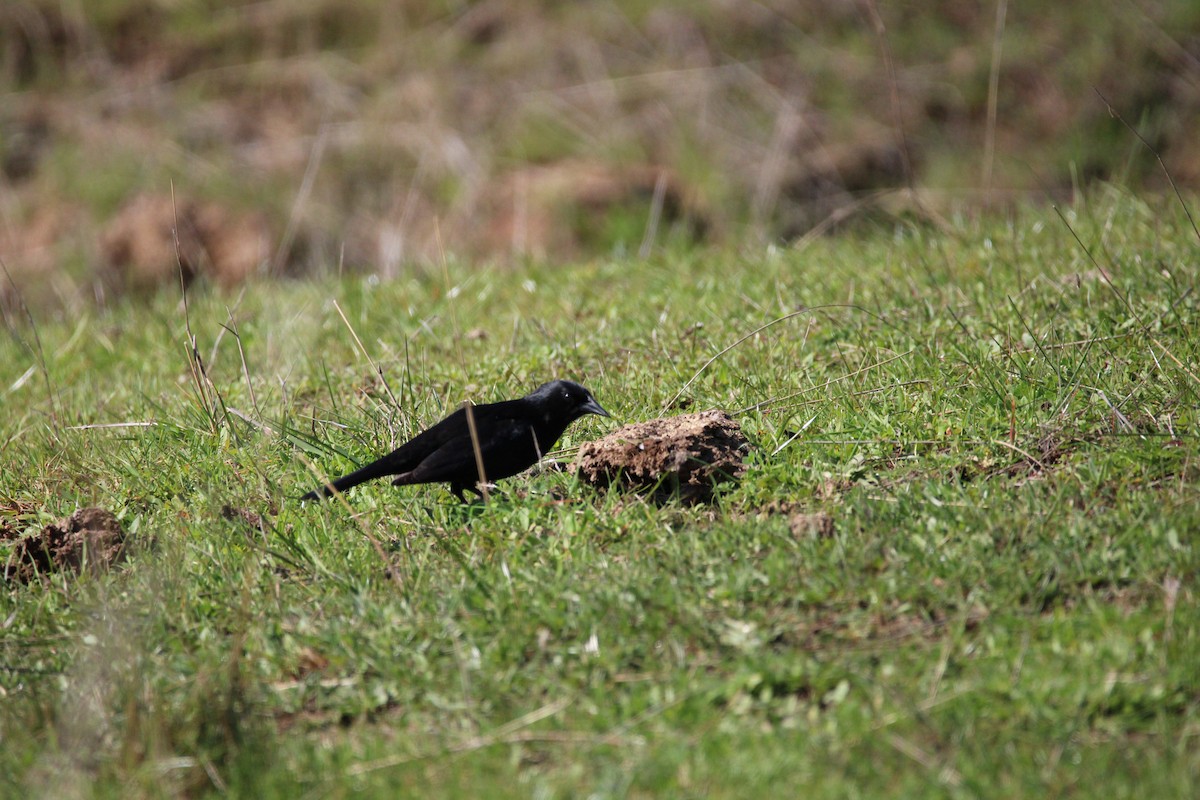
pixel 381 136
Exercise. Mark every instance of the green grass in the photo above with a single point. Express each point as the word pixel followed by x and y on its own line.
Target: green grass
pixel 1006 444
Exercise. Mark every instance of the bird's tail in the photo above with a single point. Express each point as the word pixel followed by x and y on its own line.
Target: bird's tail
pixel 376 469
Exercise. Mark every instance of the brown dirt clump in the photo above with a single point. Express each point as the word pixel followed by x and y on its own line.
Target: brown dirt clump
pixel 684 456
pixel 139 245
pixel 91 538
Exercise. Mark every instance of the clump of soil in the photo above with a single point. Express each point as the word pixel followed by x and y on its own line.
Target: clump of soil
pixel 140 244
pixel 684 456
pixel 91 537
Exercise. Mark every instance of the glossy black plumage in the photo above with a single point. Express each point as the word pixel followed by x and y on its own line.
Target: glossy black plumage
pixel 513 435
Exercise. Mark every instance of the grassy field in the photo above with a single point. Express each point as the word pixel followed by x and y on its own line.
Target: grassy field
pixel 962 562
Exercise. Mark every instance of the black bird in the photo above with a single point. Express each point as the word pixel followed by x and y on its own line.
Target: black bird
pixel 512 436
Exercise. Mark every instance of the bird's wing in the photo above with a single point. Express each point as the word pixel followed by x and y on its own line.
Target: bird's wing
pixel 416 450
pixel 455 459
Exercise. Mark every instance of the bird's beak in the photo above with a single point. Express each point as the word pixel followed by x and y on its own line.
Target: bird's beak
pixel 592 407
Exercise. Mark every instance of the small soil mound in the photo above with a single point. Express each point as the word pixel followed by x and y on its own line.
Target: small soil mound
pixel 684 456
pixel 91 537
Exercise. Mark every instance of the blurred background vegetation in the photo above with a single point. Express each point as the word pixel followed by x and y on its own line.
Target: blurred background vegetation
pixel 305 137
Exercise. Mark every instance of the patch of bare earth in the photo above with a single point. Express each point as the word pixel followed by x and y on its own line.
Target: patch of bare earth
pixel 91 538
pixel 684 456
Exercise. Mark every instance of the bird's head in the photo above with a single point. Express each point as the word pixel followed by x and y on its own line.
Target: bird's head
pixel 567 399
